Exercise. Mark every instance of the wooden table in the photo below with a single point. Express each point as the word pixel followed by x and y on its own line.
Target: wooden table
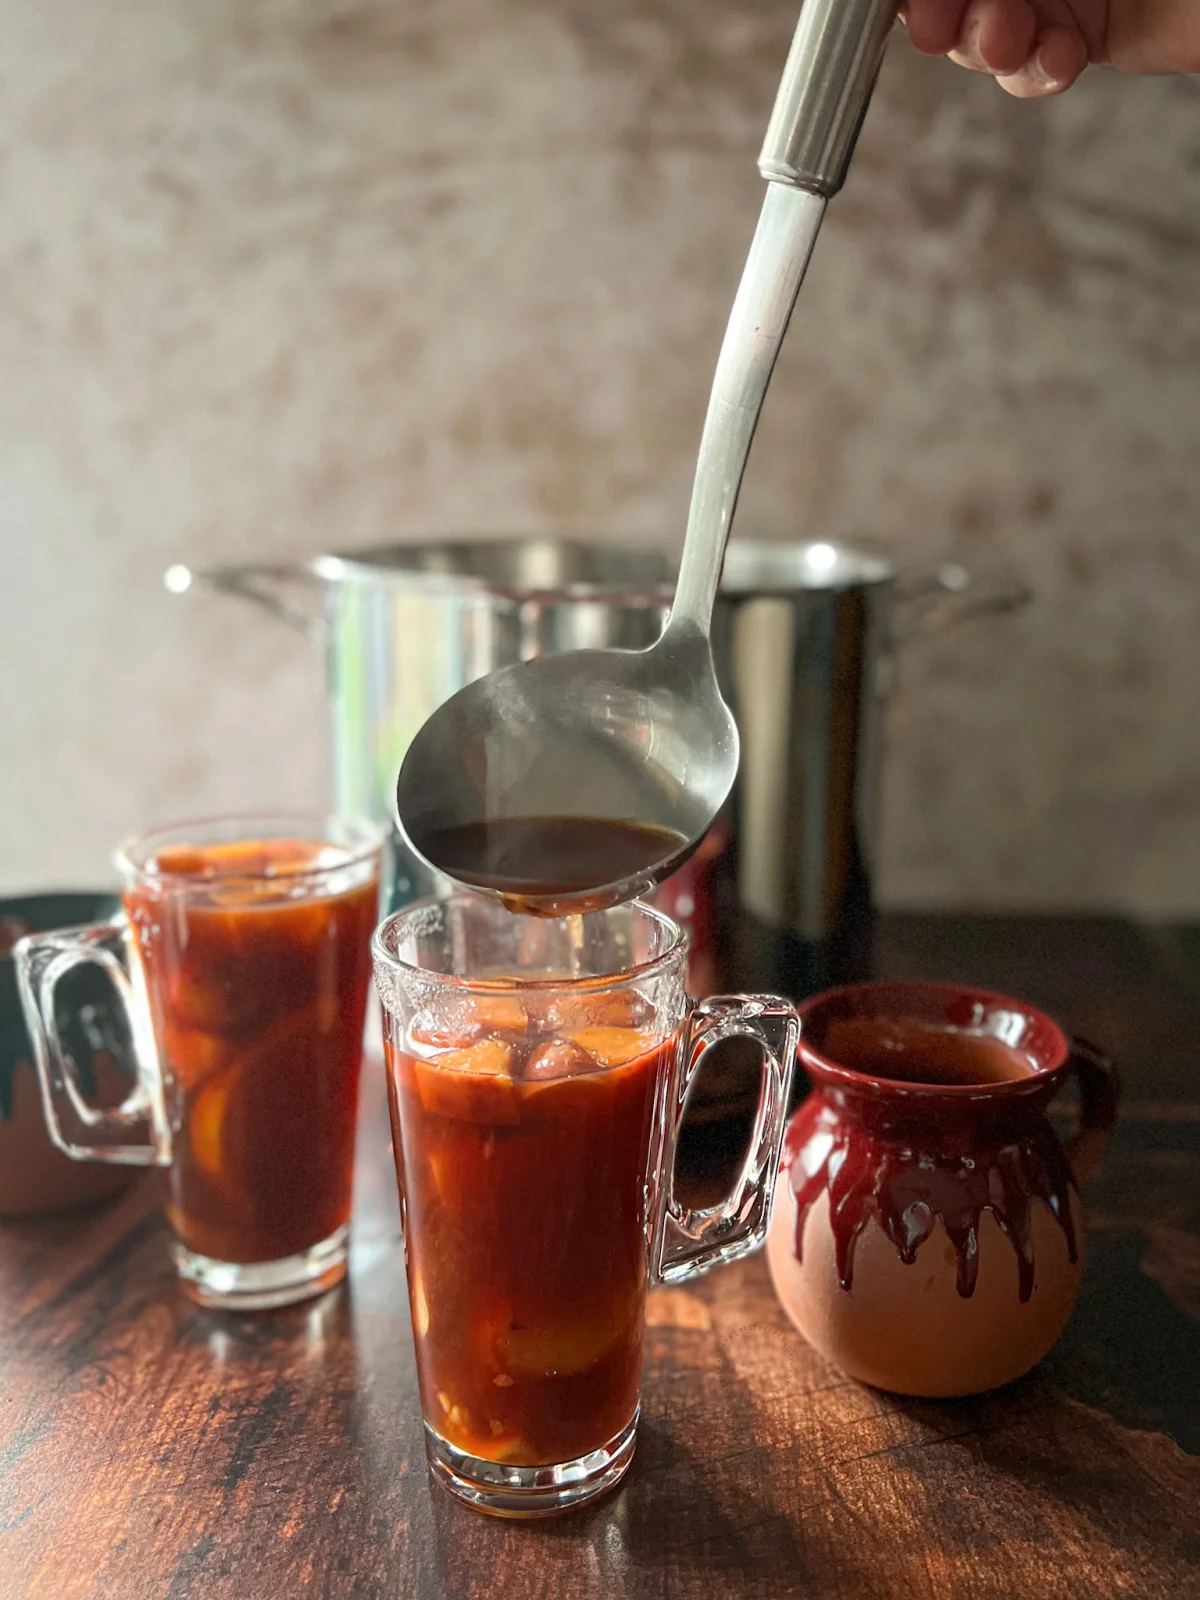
pixel 149 1448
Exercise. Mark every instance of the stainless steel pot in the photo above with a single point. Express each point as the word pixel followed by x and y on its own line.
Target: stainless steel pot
pixel 804 636
pixel 404 626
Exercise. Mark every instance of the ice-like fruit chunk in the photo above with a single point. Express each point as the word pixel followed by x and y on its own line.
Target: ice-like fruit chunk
pixel 612 1047
pixel 464 1018
pixel 559 1058
pixel 497 1013
pixel 622 1008
pixel 471 1085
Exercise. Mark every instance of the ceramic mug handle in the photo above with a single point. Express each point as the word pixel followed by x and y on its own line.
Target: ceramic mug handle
pixel 738 1225
pixel 1099 1090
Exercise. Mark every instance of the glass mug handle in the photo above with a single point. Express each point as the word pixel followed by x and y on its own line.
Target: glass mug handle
pixel 706 1238
pixel 43 961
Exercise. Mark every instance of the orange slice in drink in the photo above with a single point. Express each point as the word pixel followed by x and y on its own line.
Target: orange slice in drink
pixel 262 1104
pixel 613 1047
pixel 191 1055
pixel 556 1351
pixel 472 1085
pixel 207 1107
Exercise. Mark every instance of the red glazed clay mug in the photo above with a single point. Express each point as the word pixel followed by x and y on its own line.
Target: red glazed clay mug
pixel 927 1236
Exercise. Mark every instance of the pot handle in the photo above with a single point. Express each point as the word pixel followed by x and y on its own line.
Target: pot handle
pixel 929 600
pixel 260 583
pixel 1099 1090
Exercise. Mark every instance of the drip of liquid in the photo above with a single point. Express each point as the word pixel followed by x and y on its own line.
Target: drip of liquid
pixel 909 1190
pixel 910 1185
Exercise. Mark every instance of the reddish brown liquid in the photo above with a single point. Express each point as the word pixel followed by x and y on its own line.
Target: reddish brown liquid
pixel 548 856
pixel 522 1146
pixel 908 1050
pixel 258 1003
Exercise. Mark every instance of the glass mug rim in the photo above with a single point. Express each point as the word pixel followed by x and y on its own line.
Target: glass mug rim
pixel 360 838
pixel 1050 1052
pixel 389 931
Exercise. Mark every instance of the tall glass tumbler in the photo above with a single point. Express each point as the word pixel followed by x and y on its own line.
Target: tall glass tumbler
pixel 242 959
pixel 538 1071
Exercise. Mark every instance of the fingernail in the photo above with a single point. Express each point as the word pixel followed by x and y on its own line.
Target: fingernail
pixel 1040 76
pixel 972 34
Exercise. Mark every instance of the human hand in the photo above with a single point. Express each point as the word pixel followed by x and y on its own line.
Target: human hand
pixel 1039 47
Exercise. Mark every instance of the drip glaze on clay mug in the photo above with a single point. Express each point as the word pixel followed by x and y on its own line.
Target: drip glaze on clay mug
pixel 927 1237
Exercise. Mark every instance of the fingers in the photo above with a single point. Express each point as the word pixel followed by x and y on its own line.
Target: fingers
pixel 1059 58
pixel 996 36
pixel 1003 39
pixel 933 25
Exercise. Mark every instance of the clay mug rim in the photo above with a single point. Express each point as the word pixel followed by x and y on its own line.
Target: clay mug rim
pixel 952 1004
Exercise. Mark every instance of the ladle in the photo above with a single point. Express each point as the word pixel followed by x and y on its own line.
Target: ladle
pixel 579 780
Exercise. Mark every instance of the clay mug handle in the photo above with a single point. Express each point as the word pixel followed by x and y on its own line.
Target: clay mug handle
pixel 1099 1090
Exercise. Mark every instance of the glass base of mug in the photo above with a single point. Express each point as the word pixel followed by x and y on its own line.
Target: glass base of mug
pixel 262 1285
pixel 503 1490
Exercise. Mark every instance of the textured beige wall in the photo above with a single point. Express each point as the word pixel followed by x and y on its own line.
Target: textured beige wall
pixel 295 273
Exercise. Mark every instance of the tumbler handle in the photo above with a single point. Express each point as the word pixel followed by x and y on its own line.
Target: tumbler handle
pixel 706 1238
pixel 43 960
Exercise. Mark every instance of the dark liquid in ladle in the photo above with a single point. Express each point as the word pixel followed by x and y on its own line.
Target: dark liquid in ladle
pixel 527 859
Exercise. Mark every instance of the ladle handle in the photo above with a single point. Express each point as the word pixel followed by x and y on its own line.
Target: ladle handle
pixel 827 83
pixel 783 241
pixel 831 70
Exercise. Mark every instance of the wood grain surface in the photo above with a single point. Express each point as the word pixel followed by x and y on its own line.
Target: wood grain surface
pixel 149 1448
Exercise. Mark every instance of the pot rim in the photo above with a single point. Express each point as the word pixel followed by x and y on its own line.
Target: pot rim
pixel 357 567
pixel 753 568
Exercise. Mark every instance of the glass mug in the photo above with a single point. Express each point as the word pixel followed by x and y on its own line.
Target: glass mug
pixel 243 963
pixel 538 1070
